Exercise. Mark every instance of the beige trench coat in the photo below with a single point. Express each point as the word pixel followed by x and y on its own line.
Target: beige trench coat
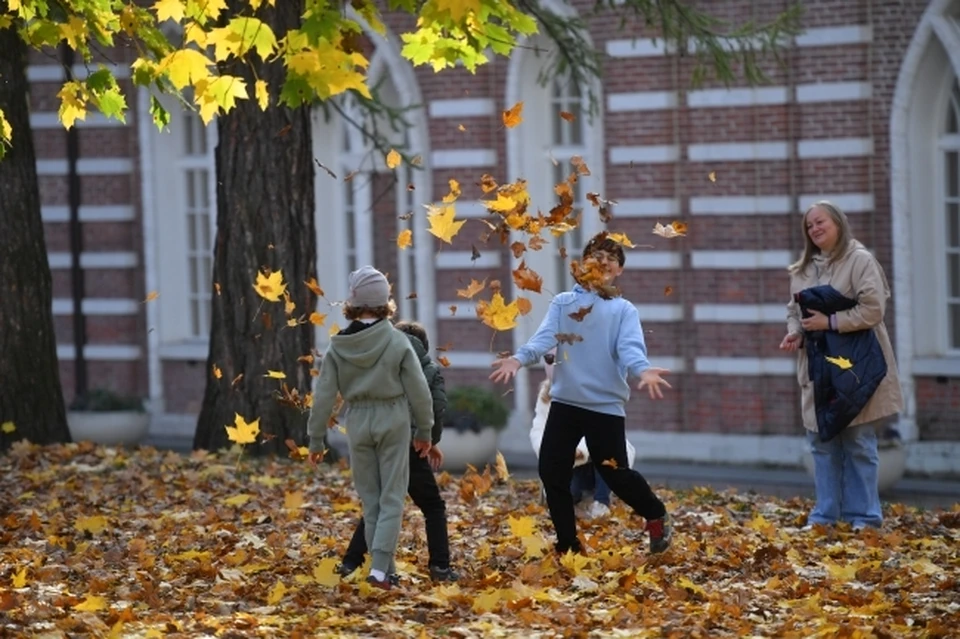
pixel 859 276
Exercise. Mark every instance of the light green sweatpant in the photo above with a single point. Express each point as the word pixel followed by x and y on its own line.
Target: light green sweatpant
pixel 379 437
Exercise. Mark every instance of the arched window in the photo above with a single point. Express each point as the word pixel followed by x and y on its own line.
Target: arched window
pixel 567 137
pixel 949 144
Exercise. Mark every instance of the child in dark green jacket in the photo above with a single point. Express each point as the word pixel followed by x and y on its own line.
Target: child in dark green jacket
pixel 423 489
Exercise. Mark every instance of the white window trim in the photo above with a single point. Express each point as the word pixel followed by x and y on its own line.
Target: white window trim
pixel 946 143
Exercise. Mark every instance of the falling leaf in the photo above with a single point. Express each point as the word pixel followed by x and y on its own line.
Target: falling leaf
pixel 417 160
pixel 270 286
pixel 580 313
pixel 317 319
pixel 679 227
pixel 840 362
pixel 474 253
pixel 334 329
pixel 518 249
pixel 288 305
pixel 292 322
pixel 276 374
pixel 487 184
pixel 472 289
pixel 580 165
pixel 276 593
pixel 501 468
pixel 94 524
pixel 621 239
pixel 453 310
pixel 442 222
pixel 8 427
pixel 393 159
pixel 405 239
pixel 667 291
pixel 568 338
pixel 314 287
pixel 712 176
pixel 667 231
pixel 443 361
pixel 454 193
pixel 152 295
pixel 527 279
pixel 513 116
pixel 92 603
pixel 460 127
pixel 217 373
pixel 524 305
pixel 216 285
pixel 566 115
pixel 498 315
pixel 242 432
pixel 612 463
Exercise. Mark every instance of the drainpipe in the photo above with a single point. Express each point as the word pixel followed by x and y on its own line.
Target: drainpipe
pixel 76 245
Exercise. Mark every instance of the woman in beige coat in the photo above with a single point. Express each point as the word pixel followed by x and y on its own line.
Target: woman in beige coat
pixel 846 467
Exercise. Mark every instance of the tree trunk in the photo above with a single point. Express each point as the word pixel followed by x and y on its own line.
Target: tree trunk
pixel 265 221
pixel 30 393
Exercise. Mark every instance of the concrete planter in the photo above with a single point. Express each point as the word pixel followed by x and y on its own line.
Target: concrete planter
pixel 467 447
pixel 893 464
pixel 109 428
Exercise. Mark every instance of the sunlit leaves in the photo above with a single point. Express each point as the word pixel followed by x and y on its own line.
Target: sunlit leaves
pixel 513 116
pixel 442 222
pixel 497 314
pixel 242 432
pixel 169 10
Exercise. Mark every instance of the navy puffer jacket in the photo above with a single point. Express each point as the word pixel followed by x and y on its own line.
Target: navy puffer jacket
pixel 839 393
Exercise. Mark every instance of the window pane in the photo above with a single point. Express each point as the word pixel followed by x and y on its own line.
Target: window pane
pixel 953 275
pixel 953 225
pixel 191 232
pixel 952 177
pixel 953 109
pixel 576 127
pixel 954 325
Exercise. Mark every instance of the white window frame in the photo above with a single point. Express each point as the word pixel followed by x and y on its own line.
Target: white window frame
pixel 948 142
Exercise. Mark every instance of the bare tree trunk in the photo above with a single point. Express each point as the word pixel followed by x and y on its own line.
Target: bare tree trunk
pixel 30 393
pixel 265 220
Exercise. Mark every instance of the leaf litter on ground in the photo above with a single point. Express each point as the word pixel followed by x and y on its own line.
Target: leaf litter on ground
pixel 109 542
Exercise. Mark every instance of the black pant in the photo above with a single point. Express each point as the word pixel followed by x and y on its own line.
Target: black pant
pixel 425 493
pixel 606 440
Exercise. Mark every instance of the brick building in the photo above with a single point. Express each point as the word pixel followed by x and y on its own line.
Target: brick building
pixel 864 111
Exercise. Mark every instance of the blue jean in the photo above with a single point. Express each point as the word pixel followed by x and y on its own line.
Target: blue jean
pixel 587 478
pixel 845 477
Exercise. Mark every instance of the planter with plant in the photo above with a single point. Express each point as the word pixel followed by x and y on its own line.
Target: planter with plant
pixel 105 417
pixel 471 428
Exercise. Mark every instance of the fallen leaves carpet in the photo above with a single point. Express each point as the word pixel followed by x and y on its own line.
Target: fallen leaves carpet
pixel 116 543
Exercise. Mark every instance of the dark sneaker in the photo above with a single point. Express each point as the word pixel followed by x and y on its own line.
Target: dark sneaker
pixel 345 569
pixel 443 574
pixel 394 579
pixel 384 584
pixel 660 533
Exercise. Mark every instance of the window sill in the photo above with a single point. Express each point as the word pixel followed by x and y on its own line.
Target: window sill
pixel 196 351
pixel 937 367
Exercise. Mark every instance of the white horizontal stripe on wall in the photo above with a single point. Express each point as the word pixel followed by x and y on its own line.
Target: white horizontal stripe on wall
pixel 848 202
pixel 737 97
pixel 672 364
pixel 462 259
pixel 659 260
pixel 834 148
pixel 89 213
pixel 641 101
pixel 55 72
pixel 466 309
pixel 87 166
pixel 829 36
pixel 740 313
pixel 741 205
pixel 646 207
pixel 833 91
pixel 741 259
pixel 196 350
pixel 101 352
pixel 637 48
pixel 660 312
pixel 461 108
pixel 470 359
pixel 649 154
pixel 103 259
pixel 463 159
pixel 745 365
pixel 50 120
pixel 97 306
pixel 737 151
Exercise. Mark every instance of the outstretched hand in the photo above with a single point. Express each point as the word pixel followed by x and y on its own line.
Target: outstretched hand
pixel 506 368
pixel 651 380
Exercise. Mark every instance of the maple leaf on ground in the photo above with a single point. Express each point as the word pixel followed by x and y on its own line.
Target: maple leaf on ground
pixel 527 279
pixel 513 116
pixel 442 222
pixel 472 289
pixel 325 572
pixel 497 314
pixel 405 239
pixel 270 287
pixel 94 524
pixel 242 432
pixel 92 603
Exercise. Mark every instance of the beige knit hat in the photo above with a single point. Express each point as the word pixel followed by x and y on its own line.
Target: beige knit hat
pixel 368 288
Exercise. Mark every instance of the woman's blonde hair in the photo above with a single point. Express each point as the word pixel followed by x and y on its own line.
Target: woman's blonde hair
pixel 545 391
pixel 809 248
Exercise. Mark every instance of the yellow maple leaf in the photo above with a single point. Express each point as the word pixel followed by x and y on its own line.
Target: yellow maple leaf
pixel 405 239
pixel 685 582
pixel 73 103
pixel 325 572
pixel 513 116
pixel 94 524
pixel 169 10
pixel 92 603
pixel 270 287
pixel 237 500
pixel 498 315
pixel 20 578
pixel 276 374
pixel 622 239
pixel 840 362
pixel 8 427
pixel 317 319
pixel 217 373
pixel 487 601
pixel 574 562
pixel 842 573
pixel 442 224
pixel 472 289
pixel 263 96
pixel 534 546
pixel 454 192
pixel 334 329
pixel 393 159
pixel 294 500
pixel 522 526
pixel 185 66
pixel 242 432
pixel 458 9
pixel 276 593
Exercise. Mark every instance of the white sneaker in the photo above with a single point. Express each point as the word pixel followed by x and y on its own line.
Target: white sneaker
pixel 598 510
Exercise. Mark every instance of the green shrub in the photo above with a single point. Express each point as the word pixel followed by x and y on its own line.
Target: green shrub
pixel 474 408
pixel 101 400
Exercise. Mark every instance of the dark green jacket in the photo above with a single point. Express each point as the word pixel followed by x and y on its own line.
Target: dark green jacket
pixel 438 387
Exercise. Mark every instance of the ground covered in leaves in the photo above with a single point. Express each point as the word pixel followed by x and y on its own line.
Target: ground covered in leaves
pixel 101 542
